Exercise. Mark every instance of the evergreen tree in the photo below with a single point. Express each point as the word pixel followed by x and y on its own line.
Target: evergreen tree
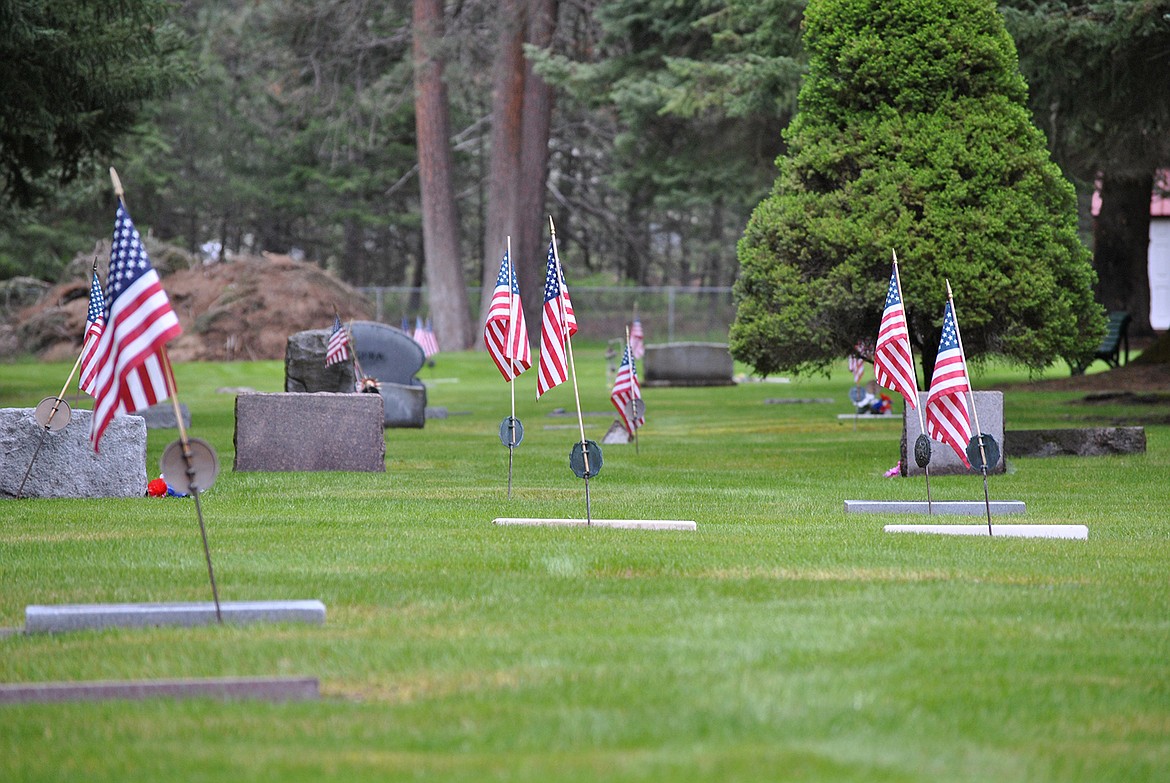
pixel 913 135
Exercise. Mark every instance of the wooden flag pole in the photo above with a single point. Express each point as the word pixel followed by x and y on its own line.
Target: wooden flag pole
pixel 184 441
pixel 511 336
pixel 918 405
pixel 974 411
pixel 633 372
pixel 572 366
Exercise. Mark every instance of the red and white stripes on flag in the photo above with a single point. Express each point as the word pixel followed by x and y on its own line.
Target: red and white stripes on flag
pixel 893 365
pixel 95 319
pixel 505 332
pixel 131 372
pixel 425 337
pixel 557 324
pixel 637 339
pixel 947 419
pixel 337 350
pixel 625 390
pixel 856 365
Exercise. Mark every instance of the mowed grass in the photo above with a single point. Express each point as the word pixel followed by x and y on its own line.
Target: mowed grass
pixel 784 640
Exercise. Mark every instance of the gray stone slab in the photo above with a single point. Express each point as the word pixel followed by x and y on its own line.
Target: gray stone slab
pixel 66 465
pixel 226 688
pixel 309 432
pixel 625 524
pixel 78 617
pixel 939 507
pixel 943 460
pixel 304 365
pixel 1078 442
pixel 161 416
pixel 688 364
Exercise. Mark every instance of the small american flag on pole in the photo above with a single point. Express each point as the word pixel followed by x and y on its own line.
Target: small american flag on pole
pixel 557 324
pixel 505 333
pixel 625 390
pixel 637 339
pixel 139 323
pixel 425 337
pixel 856 364
pixel 947 419
pixel 94 320
pixel 893 366
pixel 337 349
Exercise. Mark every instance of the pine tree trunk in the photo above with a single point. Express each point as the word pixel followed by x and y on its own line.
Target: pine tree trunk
pixel 448 291
pixel 1121 241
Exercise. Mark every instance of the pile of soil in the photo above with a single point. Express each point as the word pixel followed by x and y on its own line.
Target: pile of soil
pixel 244 308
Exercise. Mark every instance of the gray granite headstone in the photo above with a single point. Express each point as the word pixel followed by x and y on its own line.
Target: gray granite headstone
pixel 688 364
pixel 66 466
pixel 943 460
pixel 1079 442
pixel 304 365
pixel 309 432
pixel 161 416
pixel 393 357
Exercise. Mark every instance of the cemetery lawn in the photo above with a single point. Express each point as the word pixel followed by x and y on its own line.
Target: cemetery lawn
pixel 784 640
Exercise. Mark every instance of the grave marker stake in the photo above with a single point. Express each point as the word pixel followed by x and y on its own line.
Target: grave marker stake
pixel 47 424
pixel 925 465
pixel 975 416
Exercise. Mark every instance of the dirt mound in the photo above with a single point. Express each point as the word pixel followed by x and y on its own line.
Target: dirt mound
pixel 1127 378
pixel 240 309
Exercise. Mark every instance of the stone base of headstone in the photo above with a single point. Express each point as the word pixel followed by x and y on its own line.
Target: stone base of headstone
pixel 403 406
pixel 688 364
pixel 161 416
pixel 66 465
pixel 997 531
pixel 79 617
pixel 967 508
pixel 1077 442
pixel 943 460
pixel 225 688
pixel 309 432
pixel 624 524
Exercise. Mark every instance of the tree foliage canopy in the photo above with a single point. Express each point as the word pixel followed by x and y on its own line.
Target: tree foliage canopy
pixel 913 135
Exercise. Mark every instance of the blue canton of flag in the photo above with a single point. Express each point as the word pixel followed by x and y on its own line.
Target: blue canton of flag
pixel 95 321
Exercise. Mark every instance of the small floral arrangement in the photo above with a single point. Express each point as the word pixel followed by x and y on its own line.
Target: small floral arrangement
pixel 894 471
pixel 159 487
pixel 369 385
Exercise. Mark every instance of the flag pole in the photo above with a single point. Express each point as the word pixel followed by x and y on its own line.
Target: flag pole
pixel 974 412
pixel 58 401
pixel 633 410
pixel 572 367
pixel 184 441
pixel 918 404
pixel 511 362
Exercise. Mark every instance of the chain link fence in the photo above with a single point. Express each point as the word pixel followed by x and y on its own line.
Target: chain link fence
pixel 667 313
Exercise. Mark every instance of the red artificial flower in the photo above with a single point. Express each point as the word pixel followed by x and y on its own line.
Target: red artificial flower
pixel 156 488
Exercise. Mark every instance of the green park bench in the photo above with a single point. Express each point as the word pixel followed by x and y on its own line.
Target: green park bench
pixel 1115 340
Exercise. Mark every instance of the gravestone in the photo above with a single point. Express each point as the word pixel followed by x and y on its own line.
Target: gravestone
pixel 161 416
pixel 304 365
pixel 393 357
pixel 943 460
pixel 309 432
pixel 66 465
pixel 688 364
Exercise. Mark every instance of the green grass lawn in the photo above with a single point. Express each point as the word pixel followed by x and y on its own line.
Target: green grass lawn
pixel 784 640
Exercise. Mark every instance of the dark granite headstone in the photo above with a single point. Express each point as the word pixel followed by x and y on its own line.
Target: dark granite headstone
pixel 393 357
pixel 1078 442
pixel 66 465
pixel 688 364
pixel 943 460
pixel 304 365
pixel 309 432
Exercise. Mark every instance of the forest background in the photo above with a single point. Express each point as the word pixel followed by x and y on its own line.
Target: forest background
pixel 648 129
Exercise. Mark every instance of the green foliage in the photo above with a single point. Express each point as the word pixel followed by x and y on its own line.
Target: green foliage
pixel 913 136
pixel 73 77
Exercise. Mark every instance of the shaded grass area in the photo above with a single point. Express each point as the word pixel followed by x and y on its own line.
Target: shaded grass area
pixel 782 640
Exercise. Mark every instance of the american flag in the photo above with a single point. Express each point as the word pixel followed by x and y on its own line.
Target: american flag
pixel 856 364
pixel 626 390
pixel 139 323
pixel 338 348
pixel 94 320
pixel 557 324
pixel 637 339
pixel 505 333
pixel 947 419
pixel 893 365
pixel 425 337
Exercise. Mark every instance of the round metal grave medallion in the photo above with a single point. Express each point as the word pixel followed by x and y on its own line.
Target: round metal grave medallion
pixel 635 409
pixel 856 395
pixel 203 460
pixel 922 450
pixel 511 431
pixel 55 422
pixel 577 459
pixel 989 446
